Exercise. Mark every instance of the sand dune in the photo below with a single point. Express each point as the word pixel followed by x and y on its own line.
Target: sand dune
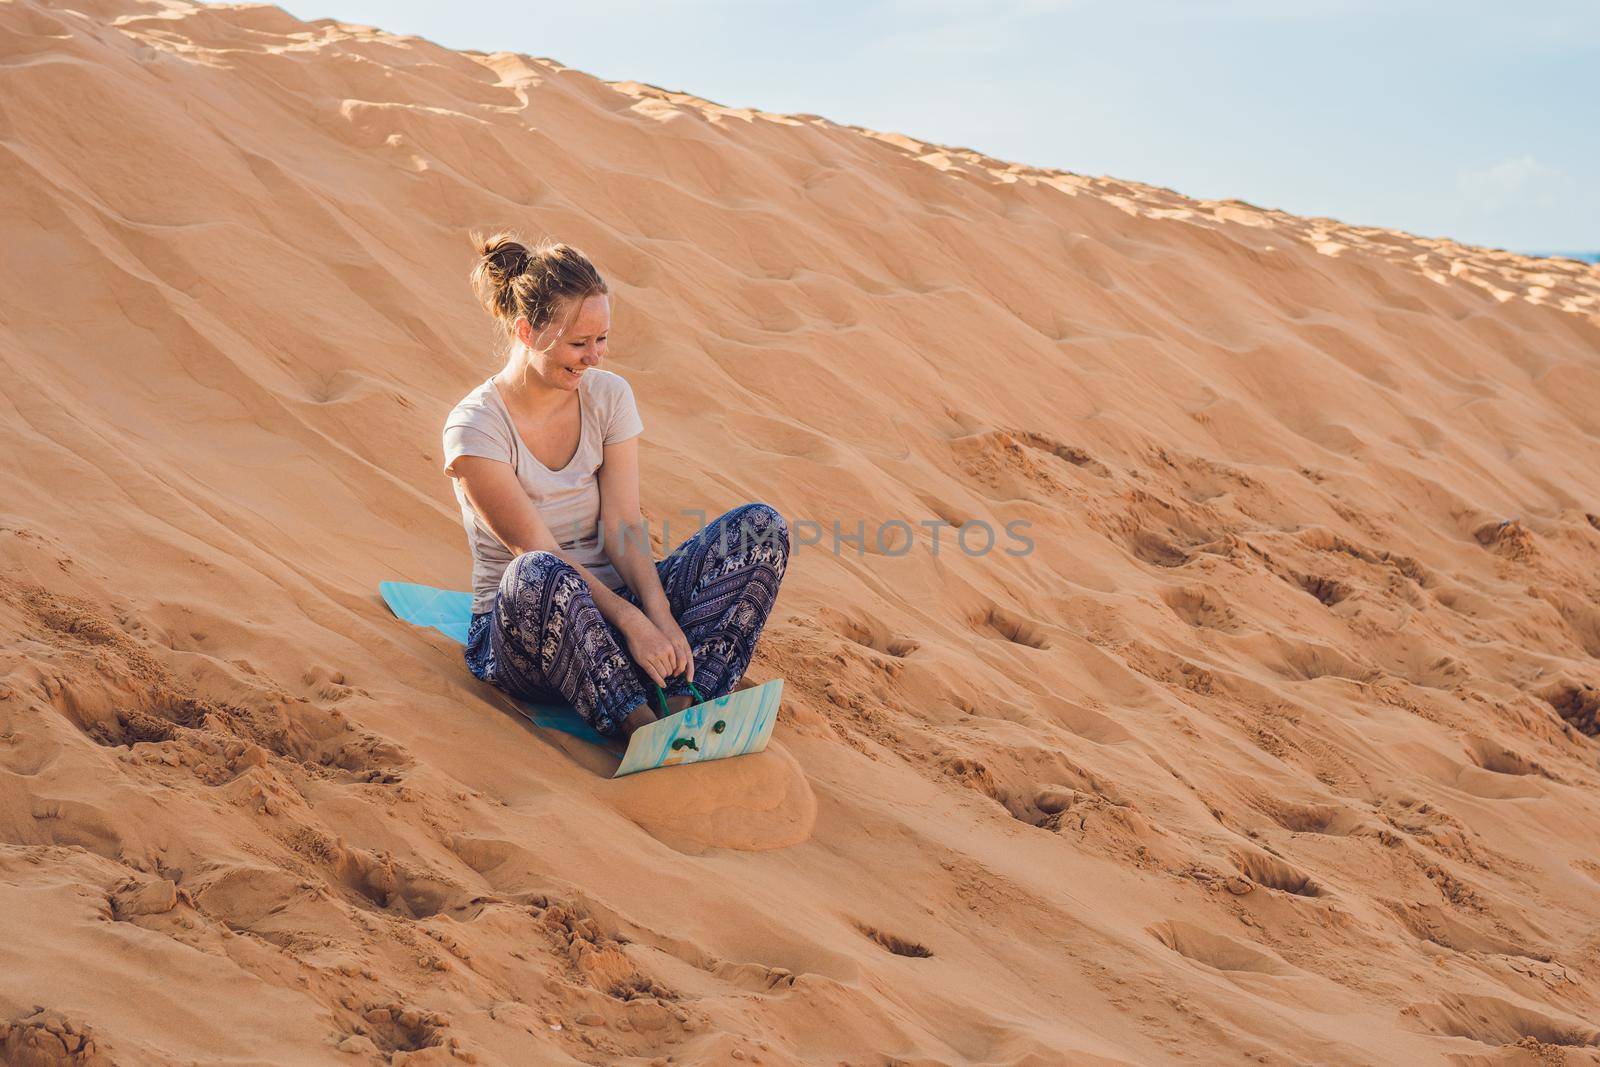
pixel 1279 746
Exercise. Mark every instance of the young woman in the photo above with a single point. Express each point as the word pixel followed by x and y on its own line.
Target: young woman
pixel 544 456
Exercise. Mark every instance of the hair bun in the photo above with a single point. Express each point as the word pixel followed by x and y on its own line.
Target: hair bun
pixel 504 255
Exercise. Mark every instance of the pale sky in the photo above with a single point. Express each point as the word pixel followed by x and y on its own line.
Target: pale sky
pixel 1469 119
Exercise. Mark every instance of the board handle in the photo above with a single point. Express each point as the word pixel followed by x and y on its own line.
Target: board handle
pixel 662 695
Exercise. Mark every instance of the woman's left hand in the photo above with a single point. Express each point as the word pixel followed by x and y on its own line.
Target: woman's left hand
pixel 683 658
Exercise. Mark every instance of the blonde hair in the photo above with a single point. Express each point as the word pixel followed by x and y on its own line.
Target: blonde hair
pixel 514 282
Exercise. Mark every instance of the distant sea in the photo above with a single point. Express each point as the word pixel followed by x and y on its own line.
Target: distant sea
pixel 1587 257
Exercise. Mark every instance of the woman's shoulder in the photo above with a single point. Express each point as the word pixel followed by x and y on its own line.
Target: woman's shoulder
pixel 614 407
pixel 609 387
pixel 601 378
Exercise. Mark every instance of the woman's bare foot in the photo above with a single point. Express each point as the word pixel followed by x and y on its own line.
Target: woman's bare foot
pixel 639 716
pixel 677 703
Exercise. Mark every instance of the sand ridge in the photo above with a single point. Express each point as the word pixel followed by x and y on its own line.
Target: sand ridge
pixel 1278 746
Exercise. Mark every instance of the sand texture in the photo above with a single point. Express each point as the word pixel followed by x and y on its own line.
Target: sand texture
pixel 1278 747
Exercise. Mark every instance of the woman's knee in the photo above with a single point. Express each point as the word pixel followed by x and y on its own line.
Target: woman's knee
pixel 530 573
pixel 759 522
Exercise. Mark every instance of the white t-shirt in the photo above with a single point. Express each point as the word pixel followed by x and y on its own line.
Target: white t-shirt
pixel 568 499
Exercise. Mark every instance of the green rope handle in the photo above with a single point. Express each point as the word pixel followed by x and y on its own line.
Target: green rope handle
pixel 662 695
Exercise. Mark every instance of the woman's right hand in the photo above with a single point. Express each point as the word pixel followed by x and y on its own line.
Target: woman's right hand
pixel 649 647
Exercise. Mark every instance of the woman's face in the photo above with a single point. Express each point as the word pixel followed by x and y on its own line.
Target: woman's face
pixel 566 356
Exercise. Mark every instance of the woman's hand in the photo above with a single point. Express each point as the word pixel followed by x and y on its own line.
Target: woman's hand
pixel 682 657
pixel 651 649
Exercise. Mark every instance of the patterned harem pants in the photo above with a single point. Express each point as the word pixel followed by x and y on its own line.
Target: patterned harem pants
pixel 546 641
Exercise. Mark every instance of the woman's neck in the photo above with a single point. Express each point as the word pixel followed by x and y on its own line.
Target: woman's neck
pixel 522 386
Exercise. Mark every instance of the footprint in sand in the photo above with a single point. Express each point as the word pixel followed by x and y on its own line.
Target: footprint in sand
pixel 1267 870
pixel 397 1028
pixel 1328 591
pixel 991 620
pixel 1201 607
pixel 1331 820
pixel 1497 1021
pixel 1216 950
pixel 900 946
pixel 867 631
pixel 1152 548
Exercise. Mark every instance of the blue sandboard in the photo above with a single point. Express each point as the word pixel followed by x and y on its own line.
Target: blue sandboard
pixel 447 611
pixel 450 612
pixel 737 724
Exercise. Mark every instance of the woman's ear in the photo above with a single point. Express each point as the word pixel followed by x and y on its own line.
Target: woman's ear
pixel 524 331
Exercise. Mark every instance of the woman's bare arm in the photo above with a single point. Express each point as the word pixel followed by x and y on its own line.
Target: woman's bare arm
pixel 627 545
pixel 497 496
pixel 625 538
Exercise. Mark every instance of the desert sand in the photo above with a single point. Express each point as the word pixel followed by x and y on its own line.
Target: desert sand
pixel 1278 747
